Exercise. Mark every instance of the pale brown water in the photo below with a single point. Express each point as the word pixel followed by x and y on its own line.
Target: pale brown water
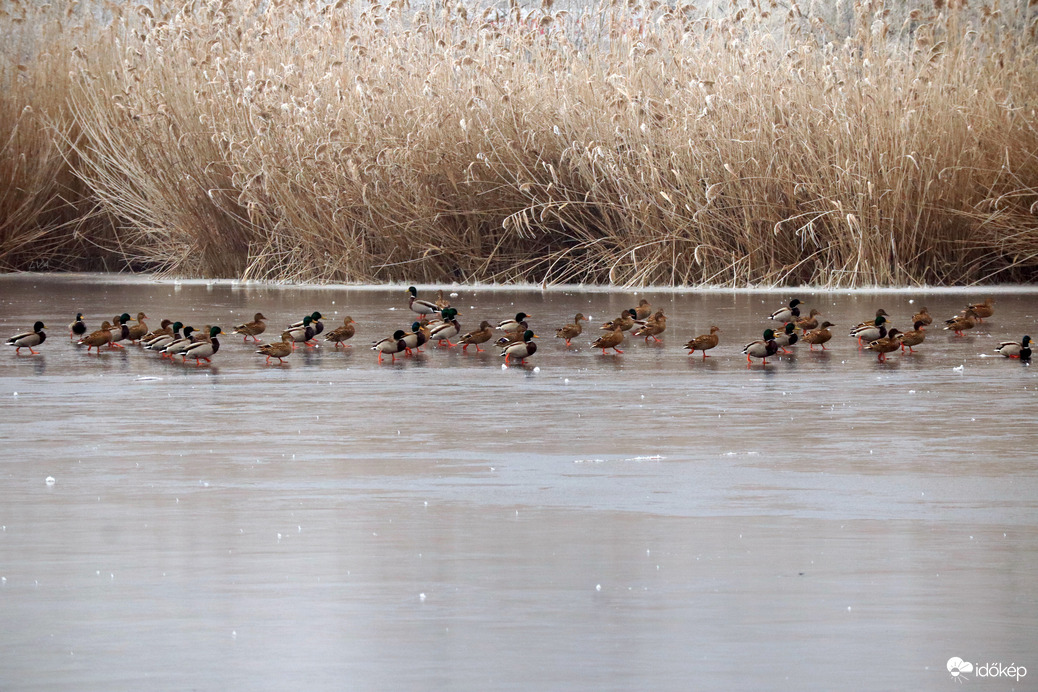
pixel 645 521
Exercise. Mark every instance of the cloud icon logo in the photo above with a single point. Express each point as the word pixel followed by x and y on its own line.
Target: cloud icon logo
pixel 956 666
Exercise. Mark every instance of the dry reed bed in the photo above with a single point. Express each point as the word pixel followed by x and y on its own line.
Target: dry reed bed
pixel 627 143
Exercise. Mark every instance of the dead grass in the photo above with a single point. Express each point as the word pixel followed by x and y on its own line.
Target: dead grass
pixel 628 143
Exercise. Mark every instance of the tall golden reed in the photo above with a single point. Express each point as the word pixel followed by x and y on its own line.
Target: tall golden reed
pixel 631 142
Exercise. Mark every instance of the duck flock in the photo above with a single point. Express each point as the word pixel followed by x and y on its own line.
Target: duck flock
pixel 437 323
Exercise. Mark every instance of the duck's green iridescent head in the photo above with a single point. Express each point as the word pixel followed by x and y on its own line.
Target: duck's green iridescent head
pixel 79 316
pixel 413 291
pixel 795 302
pixel 416 327
pixel 177 326
pixel 315 316
pixel 214 331
pixel 398 335
pixel 520 316
pixel 188 331
pixel 307 320
pixel 1025 341
pixel 124 318
pixel 790 327
pixel 528 335
pixel 38 327
pixel 880 319
pixel 769 334
pixel 632 312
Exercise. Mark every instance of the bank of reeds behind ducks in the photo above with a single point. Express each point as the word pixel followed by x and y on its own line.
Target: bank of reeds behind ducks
pixel 626 143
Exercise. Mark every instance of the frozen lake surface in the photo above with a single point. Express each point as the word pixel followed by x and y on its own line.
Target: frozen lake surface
pixel 645 521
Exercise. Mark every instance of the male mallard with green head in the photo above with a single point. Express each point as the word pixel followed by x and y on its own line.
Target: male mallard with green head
pixel 77 328
pixel 422 307
pixel 301 333
pixel 391 345
pixel 204 350
pixel 762 348
pixel 520 349
pixel 29 339
pixel 786 313
pixel 870 331
pixel 161 341
pixel 1016 349
pixel 446 329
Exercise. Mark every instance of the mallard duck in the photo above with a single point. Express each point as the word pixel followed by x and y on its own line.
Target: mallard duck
pixel 98 338
pixel 314 324
pixel 391 344
pixel 625 321
pixel 982 310
pixel 704 342
pixel 422 307
pixel 961 323
pixel 446 329
pixel 520 349
pixel 643 310
pixel 301 333
pixel 416 338
pixel 179 345
pixel 923 316
pixel 610 340
pixel 787 337
pixel 28 339
pixel 120 332
pixel 137 331
pixel 571 331
pixel 865 331
pixel 518 324
pixel 165 328
pixel 762 348
pixel 163 340
pixel 787 313
pixel 819 336
pixel 204 350
pixel 810 322
pixel 441 302
pixel 340 335
pixel 1013 349
pixel 253 329
pixel 870 323
pixel 77 327
pixel 653 327
pixel 913 337
pixel 480 336
pixel 885 345
pixel 279 350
